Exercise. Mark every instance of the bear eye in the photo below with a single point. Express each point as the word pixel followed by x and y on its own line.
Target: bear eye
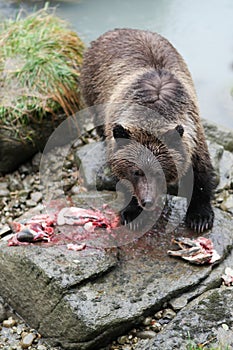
pixel 138 173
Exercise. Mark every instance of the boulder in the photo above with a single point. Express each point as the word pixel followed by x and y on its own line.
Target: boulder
pixel 82 300
pixel 207 319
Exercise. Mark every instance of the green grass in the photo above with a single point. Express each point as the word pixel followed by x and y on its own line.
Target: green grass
pixel 197 347
pixel 40 59
pixel 192 346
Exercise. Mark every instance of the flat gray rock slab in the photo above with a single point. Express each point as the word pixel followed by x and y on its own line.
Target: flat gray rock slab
pixel 207 319
pixel 82 300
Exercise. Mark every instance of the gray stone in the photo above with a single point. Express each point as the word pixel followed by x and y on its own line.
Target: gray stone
pixel 4 191
pixel 28 340
pixel 216 152
pixel 225 171
pixel 201 320
pixel 9 323
pixel 36 196
pixel 219 134
pixel 36 161
pixel 227 204
pixel 15 150
pixel 91 296
pixel 169 314
pixel 92 161
pixel 146 334
pixel 179 302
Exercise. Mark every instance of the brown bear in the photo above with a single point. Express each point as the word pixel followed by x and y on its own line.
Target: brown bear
pixel 151 120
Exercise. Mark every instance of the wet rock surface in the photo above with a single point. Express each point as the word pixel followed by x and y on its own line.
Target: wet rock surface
pixel 133 293
pixel 206 320
pixel 219 134
pixel 14 151
pixel 91 296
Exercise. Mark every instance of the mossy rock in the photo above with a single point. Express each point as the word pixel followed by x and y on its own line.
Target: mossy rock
pixel 40 60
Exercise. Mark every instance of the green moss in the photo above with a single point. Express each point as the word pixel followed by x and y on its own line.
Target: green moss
pixel 40 59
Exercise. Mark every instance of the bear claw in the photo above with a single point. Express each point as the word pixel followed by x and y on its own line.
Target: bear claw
pixel 200 219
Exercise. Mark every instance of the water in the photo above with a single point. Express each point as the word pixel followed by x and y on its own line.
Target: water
pixel 202 31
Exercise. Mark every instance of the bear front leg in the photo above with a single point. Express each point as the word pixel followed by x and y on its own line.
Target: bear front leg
pixel 200 215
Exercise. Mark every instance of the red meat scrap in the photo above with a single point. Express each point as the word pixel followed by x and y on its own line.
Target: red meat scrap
pixel 196 251
pixel 38 228
pixel 41 227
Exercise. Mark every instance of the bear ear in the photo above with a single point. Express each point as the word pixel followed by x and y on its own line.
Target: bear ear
pixel 180 129
pixel 172 138
pixel 119 132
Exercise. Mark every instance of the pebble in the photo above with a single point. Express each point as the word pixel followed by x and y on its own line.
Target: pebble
pixel 30 203
pixel 4 192
pixel 28 340
pixel 227 204
pixel 156 327
pixel 36 197
pixel 146 334
pixel 178 303
pixel 9 323
pixel 159 315
pixel 122 340
pixel 147 321
pixel 36 161
pixel 41 347
pixel 169 314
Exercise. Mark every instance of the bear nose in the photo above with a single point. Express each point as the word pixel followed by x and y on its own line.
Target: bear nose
pixel 147 203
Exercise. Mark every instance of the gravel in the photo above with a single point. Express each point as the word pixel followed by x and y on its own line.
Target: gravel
pixel 19 192
pixel 22 190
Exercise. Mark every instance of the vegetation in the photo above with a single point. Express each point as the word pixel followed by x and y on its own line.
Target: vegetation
pixel 40 60
pixel 200 347
pixel 192 346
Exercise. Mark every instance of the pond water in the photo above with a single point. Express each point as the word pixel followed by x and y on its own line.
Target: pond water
pixel 202 31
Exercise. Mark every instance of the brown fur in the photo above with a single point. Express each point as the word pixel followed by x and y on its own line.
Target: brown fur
pixel 146 88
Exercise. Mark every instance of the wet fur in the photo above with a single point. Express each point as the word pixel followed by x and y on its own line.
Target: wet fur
pixel 127 70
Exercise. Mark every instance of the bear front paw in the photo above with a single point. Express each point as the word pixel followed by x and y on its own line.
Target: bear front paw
pixel 129 217
pixel 200 218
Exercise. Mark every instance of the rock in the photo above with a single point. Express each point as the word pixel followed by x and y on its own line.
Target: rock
pixel 147 321
pixel 25 169
pixel 15 184
pixel 30 203
pixel 36 161
pixel 122 340
pixel 159 315
pixel 219 134
pixel 227 204
pixel 225 171
pixel 28 340
pixel 92 161
pixel 178 303
pixel 36 197
pixel 169 314
pixel 216 152
pixel 4 191
pixel 156 327
pixel 9 323
pixel 98 294
pixel 146 334
pixel 201 320
pixel 41 347
pixel 15 151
